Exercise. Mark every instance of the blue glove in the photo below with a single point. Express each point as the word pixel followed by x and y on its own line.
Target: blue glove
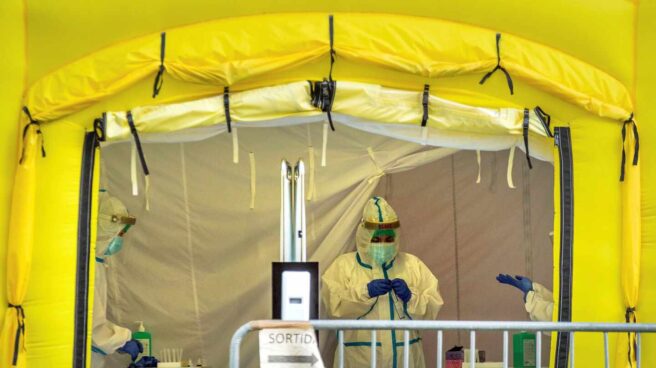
pixel 145 362
pixel 132 347
pixel 379 287
pixel 401 289
pixel 520 282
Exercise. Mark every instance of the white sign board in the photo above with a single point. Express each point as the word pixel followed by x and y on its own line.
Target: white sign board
pixel 289 347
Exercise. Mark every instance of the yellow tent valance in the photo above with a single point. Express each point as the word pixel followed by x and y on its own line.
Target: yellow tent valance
pixel 236 51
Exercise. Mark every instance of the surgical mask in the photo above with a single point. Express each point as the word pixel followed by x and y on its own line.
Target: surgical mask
pixel 381 253
pixel 116 244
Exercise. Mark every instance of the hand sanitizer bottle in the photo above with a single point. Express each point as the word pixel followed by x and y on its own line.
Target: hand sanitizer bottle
pixel 145 338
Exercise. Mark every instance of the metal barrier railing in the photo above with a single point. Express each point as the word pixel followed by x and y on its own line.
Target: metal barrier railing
pixel 440 326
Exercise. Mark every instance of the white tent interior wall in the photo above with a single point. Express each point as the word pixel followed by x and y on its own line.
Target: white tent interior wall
pixel 197 265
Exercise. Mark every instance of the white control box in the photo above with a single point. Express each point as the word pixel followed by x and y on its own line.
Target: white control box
pixel 295 296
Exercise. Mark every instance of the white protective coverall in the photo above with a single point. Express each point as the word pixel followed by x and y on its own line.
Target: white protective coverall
pixel 346 296
pixel 106 337
pixel 539 303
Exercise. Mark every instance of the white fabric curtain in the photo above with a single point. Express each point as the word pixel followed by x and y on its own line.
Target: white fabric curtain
pixel 197 265
pixel 187 267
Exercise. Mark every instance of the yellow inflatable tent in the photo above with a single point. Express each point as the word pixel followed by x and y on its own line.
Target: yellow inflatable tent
pixel 456 75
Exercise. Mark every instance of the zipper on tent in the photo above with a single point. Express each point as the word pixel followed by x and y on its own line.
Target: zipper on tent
pixel 563 141
pixel 81 331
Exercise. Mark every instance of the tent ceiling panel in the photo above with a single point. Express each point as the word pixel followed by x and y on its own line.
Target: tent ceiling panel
pixel 84 27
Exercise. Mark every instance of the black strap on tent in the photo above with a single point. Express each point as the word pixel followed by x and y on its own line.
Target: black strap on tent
pixel 631 121
pixel 159 78
pixel 525 133
pixel 637 144
pixel 322 93
pixel 226 107
pixel 20 330
pixel 99 127
pixel 545 119
pixel 312 93
pixel 331 33
pixel 137 142
pixel 424 104
pixel 38 131
pixel 630 317
pixel 499 67
pixel 323 96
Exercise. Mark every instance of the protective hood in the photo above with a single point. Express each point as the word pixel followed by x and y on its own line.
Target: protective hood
pixel 377 216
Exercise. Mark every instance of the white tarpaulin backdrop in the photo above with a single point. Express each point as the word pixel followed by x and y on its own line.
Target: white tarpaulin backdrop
pixel 197 265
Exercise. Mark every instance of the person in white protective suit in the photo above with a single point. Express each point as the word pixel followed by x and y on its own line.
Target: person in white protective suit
pixel 377 282
pixel 107 337
pixel 538 300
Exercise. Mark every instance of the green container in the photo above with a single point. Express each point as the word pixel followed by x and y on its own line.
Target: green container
pixel 145 338
pixel 524 350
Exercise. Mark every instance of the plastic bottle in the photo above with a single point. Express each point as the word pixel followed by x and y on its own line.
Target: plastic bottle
pixel 145 338
pixel 524 350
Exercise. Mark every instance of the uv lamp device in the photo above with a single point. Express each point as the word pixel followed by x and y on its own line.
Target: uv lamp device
pixel 295 282
pixel 295 301
pixel 295 291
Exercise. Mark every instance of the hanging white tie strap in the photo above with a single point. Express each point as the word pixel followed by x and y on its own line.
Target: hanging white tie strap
pixel 424 117
pixel 310 191
pixel 147 191
pixel 380 173
pixel 235 146
pixel 133 169
pixel 324 145
pixel 424 136
pixel 142 158
pixel 251 157
pixel 511 158
pixel 478 160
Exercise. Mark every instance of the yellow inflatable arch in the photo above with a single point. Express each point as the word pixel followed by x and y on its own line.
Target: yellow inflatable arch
pixel 354 57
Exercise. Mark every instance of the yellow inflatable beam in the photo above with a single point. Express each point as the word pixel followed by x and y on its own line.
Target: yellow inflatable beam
pixel 250 50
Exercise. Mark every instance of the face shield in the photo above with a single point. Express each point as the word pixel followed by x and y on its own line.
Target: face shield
pixel 377 236
pixel 383 246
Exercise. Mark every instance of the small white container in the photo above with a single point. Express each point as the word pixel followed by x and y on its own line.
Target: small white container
pixel 169 365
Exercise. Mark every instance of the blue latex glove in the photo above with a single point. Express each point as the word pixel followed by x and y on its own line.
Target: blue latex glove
pixel 379 287
pixel 132 347
pixel 145 362
pixel 401 289
pixel 520 282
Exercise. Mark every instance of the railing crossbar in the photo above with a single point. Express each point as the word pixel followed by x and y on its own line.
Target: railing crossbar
pixel 441 326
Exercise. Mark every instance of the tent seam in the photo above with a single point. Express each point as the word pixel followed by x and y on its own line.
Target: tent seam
pixel 194 288
pixel 455 237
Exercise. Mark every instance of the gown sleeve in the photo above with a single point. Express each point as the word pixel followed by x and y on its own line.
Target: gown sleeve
pixel 344 292
pixel 426 300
